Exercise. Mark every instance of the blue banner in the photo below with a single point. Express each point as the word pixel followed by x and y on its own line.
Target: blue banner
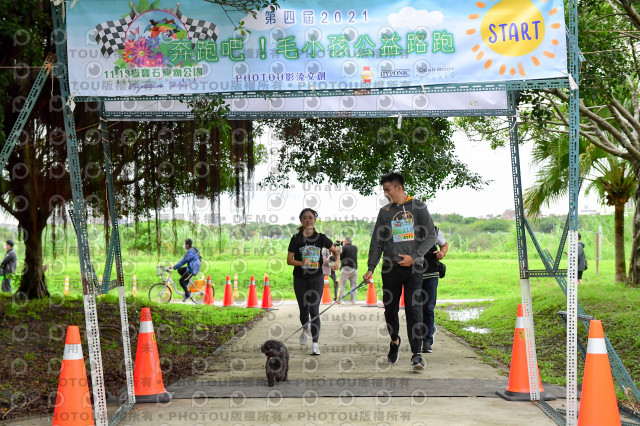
pixel 117 48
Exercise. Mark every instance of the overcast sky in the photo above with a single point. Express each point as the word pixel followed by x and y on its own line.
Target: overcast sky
pixel 283 206
pixel 495 165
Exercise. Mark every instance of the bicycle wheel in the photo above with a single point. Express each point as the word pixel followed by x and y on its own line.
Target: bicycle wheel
pixel 160 293
pixel 198 297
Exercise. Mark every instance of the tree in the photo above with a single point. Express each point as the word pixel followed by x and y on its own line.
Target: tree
pixel 609 176
pixel 358 152
pixel 153 163
pixel 609 97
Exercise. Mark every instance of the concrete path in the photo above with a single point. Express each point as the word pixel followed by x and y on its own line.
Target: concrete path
pixel 349 383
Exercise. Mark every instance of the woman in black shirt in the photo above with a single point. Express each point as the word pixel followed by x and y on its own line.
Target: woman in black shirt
pixel 304 254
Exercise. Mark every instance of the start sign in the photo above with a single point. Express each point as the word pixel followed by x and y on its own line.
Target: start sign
pixel 164 47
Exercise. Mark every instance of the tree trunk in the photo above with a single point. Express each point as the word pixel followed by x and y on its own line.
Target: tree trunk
pixel 634 262
pixel 33 284
pixel 621 267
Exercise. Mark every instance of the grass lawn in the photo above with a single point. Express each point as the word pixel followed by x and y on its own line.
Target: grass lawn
pixel 466 277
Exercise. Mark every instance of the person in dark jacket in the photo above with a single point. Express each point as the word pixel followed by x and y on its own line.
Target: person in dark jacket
pixel 192 260
pixel 582 259
pixel 430 289
pixel 8 266
pixel 403 234
pixel 349 268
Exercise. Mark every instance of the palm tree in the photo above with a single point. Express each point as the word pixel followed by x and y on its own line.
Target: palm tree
pixel 611 177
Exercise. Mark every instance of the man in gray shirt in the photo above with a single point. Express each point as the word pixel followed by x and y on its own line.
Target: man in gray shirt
pixel 403 233
pixel 8 266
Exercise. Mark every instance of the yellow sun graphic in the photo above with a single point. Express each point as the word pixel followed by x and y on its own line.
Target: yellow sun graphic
pixel 513 28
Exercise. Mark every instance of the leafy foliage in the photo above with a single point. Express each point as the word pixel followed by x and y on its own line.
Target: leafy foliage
pixel 358 152
pixel 154 164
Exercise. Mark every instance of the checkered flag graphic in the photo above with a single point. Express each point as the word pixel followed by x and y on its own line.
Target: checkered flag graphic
pixel 111 35
pixel 198 29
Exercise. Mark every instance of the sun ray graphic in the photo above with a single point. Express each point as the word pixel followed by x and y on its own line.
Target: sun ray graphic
pixel 515 30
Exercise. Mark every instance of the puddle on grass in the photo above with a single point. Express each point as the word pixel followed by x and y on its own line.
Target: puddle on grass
pixel 477 330
pixel 466 314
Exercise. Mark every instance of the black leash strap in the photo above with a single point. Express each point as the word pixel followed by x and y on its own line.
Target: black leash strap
pixel 326 309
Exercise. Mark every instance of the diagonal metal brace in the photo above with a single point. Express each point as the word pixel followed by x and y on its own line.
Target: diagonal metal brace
pixel 18 126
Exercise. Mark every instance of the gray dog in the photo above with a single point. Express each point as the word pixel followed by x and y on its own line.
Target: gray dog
pixel 277 365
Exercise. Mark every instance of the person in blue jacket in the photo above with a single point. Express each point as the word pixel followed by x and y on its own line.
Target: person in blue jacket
pixel 192 260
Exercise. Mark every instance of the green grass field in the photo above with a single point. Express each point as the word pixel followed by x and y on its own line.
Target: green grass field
pixel 466 277
pixel 480 265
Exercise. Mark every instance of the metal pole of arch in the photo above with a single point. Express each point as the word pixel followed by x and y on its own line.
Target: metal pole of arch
pixel 523 261
pixel 574 190
pixel 89 281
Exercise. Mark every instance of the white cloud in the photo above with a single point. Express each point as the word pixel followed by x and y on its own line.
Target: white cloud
pixel 261 19
pixel 408 17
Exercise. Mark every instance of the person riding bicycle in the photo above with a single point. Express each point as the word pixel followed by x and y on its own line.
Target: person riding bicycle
pixel 192 259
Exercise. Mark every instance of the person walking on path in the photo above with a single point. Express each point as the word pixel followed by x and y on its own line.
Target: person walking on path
pixel 193 260
pixel 348 268
pixel 582 259
pixel 328 271
pixel 430 289
pixel 8 266
pixel 304 254
pixel 403 233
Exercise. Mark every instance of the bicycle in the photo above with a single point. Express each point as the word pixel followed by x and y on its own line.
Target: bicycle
pixel 162 292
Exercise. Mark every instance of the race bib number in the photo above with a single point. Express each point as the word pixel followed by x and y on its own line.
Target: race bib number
pixel 312 253
pixel 402 230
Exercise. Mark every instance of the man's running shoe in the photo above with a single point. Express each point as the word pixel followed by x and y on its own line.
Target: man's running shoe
pixel 393 351
pixel 417 364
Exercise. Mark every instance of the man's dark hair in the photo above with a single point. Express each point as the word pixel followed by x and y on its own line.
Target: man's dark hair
pixel 189 242
pixel 393 178
pixel 10 242
pixel 579 236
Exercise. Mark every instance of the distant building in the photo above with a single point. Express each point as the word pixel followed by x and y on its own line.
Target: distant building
pixel 509 214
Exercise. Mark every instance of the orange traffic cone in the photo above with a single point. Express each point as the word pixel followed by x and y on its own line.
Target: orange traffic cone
pixel 518 387
pixel 73 402
pixel 208 294
pixel 147 374
pixel 267 303
pixel 402 298
pixel 228 294
pixel 598 403
pixel 252 300
pixel 326 293
pixel 372 299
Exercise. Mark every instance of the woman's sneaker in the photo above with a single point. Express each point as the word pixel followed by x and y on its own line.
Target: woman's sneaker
pixel 315 349
pixel 304 337
pixel 393 351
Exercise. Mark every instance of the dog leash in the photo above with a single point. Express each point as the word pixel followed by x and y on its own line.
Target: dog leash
pixel 326 309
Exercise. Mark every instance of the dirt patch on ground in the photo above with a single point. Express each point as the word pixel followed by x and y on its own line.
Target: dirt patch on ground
pixel 33 342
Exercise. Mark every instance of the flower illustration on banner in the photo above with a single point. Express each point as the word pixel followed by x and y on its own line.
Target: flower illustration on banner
pixel 150 37
pixel 139 53
pixel 516 30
